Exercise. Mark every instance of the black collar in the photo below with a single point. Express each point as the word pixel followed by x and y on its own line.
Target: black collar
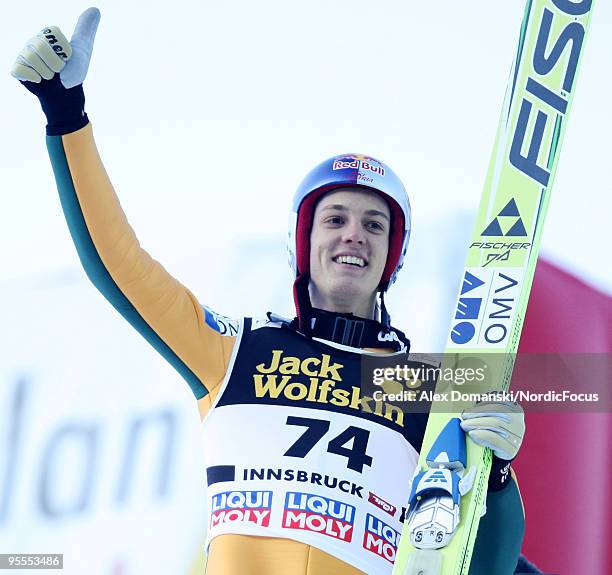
pixel 348 329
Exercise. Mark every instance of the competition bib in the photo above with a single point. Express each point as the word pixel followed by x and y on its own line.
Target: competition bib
pixel 295 448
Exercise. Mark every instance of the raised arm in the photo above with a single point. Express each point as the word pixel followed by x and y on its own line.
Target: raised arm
pixel 165 312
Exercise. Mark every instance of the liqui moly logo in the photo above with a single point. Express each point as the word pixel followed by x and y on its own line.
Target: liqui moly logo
pixel 359 163
pixel 241 507
pixel 380 538
pixel 319 514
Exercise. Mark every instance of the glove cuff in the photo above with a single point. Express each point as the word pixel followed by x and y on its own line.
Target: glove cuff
pixel 499 477
pixel 64 108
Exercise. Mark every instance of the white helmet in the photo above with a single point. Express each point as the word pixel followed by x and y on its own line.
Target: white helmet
pixel 349 170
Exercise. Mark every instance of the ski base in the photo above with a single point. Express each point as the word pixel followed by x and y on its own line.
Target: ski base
pixel 424 562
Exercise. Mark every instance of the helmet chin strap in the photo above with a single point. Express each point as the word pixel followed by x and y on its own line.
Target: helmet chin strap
pixel 385 318
pixel 303 307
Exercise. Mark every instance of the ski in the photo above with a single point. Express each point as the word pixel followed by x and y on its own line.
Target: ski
pixel 497 279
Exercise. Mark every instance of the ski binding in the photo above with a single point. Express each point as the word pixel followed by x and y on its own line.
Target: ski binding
pixel 434 502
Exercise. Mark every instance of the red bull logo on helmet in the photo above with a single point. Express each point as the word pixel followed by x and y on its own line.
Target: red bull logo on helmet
pixel 319 514
pixel 241 507
pixel 359 163
pixel 380 538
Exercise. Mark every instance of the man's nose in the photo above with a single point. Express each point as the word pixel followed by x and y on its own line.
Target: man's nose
pixel 353 233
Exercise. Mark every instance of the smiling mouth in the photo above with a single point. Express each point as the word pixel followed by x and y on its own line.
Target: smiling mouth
pixel 351 260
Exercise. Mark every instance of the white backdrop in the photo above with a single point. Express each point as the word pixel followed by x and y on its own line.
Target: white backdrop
pixel 99 451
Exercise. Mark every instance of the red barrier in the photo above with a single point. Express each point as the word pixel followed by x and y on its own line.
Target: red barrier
pixel 564 467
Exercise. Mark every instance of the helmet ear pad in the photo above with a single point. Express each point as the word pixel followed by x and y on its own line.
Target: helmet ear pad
pixel 304 226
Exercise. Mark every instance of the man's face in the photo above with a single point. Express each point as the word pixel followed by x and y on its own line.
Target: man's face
pixel 349 242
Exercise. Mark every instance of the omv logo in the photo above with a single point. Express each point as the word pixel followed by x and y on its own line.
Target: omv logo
pixel 468 308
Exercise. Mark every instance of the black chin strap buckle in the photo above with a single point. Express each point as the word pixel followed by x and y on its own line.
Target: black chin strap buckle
pixel 348 331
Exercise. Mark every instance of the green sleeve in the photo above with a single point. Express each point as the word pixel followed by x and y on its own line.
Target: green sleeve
pixel 500 533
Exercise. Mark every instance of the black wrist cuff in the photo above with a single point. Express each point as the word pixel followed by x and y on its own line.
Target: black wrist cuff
pixel 499 477
pixel 64 108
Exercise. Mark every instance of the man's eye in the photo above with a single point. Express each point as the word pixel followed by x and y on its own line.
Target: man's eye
pixel 376 226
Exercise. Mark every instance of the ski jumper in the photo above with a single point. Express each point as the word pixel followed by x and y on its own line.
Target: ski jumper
pixel 304 474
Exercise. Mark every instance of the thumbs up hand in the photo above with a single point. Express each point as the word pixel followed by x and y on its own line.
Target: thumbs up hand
pixel 54 69
pixel 50 52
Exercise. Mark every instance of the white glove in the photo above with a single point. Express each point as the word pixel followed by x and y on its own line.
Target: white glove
pixel 499 425
pixel 50 52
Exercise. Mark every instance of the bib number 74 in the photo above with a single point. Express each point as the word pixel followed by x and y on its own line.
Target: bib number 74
pixel 352 443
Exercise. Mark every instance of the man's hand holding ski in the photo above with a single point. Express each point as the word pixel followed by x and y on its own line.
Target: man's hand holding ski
pixel 499 425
